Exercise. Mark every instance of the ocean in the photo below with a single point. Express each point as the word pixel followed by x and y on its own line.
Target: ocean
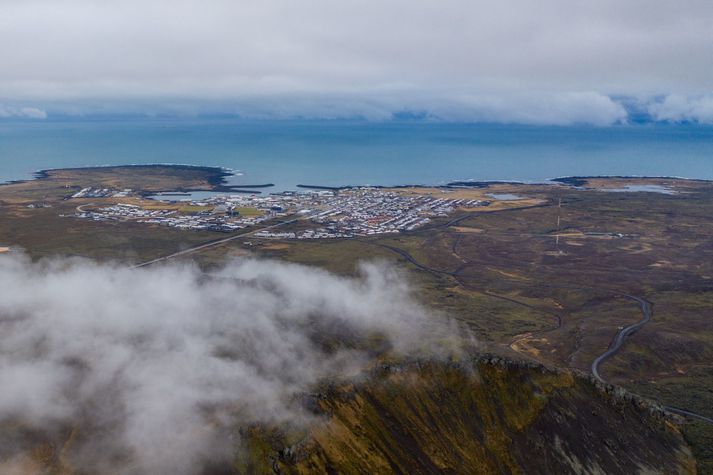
pixel 336 153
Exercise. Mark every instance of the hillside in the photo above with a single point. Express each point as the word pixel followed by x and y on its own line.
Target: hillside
pixel 492 417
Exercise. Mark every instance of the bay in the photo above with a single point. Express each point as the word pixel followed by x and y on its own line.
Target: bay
pixel 338 153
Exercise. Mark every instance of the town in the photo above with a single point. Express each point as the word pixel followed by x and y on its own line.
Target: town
pixel 342 213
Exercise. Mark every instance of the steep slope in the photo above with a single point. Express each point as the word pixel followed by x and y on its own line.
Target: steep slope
pixel 489 417
pixel 486 416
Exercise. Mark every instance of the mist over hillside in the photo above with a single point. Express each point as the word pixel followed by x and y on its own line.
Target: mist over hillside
pixel 154 368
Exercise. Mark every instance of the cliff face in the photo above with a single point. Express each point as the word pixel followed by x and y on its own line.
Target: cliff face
pixel 485 418
pixel 482 417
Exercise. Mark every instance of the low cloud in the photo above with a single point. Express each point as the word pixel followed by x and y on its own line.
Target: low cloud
pixel 156 367
pixel 22 112
pixel 532 108
pixel 679 108
pixel 469 59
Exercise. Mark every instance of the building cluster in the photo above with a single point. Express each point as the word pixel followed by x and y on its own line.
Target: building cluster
pixel 367 211
pixel 201 220
pixel 334 214
pixel 317 233
pixel 90 192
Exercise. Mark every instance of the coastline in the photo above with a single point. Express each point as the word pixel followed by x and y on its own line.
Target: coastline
pixel 217 178
pixel 216 175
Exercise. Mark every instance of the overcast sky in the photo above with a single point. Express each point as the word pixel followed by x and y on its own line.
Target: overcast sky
pixel 545 61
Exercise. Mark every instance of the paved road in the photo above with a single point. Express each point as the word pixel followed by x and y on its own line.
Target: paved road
pixel 616 345
pixel 405 254
pixel 646 306
pixel 218 242
pixel 684 412
pixel 80 208
pixel 619 340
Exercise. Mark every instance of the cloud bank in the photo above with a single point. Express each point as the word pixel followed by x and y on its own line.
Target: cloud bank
pixel 678 108
pixel 156 368
pixel 22 112
pixel 471 59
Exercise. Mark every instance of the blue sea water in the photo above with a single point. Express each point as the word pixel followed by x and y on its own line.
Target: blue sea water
pixel 336 153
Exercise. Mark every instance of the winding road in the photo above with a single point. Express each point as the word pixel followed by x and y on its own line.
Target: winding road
pixel 614 347
pixel 620 337
pixel 618 342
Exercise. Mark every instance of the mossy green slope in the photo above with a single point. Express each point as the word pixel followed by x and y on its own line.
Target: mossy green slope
pixel 483 418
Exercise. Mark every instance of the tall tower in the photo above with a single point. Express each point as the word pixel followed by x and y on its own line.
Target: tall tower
pixel 557 235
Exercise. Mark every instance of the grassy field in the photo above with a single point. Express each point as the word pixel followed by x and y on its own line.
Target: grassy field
pixel 249 211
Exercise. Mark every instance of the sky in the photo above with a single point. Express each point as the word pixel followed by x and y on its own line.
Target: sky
pixel 544 62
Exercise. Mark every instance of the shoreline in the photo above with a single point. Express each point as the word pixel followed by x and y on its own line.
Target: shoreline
pixel 217 179
pixel 216 175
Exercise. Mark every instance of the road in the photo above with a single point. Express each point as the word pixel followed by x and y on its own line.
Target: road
pixel 618 342
pixel 80 208
pixel 282 223
pixel 614 347
pixel 684 412
pixel 620 337
pixel 403 253
pixel 200 247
